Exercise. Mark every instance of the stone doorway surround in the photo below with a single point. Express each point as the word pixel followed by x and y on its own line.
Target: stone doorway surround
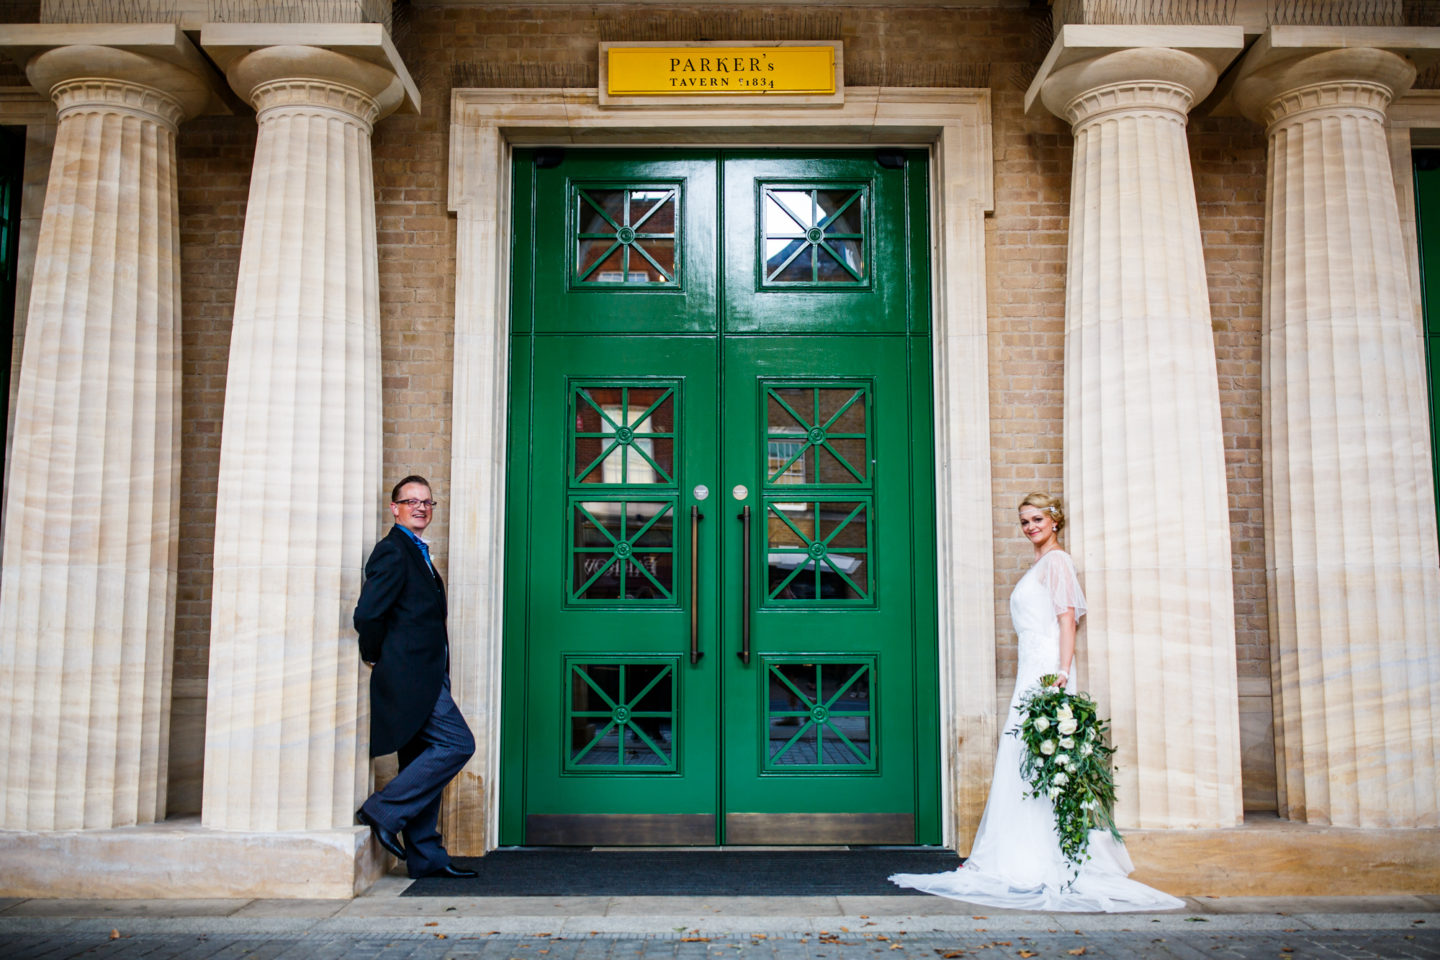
pixel 954 124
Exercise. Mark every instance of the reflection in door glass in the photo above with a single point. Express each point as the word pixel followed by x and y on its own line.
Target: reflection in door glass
pixel 817 435
pixel 623 550
pixel 819 714
pixel 626 236
pixel 624 434
pixel 813 235
pixel 621 715
pixel 818 550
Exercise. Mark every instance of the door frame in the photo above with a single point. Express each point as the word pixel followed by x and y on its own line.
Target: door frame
pixel 486 125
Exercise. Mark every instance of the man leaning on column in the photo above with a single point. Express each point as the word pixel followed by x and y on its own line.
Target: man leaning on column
pixel 401 622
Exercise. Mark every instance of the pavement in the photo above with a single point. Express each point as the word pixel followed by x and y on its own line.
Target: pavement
pixel 384 925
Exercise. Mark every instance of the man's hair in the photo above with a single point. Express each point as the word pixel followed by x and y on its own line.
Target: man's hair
pixel 395 491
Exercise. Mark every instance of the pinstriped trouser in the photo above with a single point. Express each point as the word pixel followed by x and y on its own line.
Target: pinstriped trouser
pixel 410 804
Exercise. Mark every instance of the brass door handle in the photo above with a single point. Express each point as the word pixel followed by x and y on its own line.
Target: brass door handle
pixel 695 652
pixel 744 651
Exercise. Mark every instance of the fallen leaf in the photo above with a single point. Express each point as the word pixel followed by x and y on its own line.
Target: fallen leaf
pixel 864 916
pixel 694 939
pixel 440 936
pixel 1287 949
pixel 432 923
pixel 952 954
pixel 1003 943
pixel 881 936
pixel 1196 920
pixel 114 934
pixel 897 946
pixel 1026 953
pixel 871 923
pixel 979 918
pixel 844 929
pixel 1077 952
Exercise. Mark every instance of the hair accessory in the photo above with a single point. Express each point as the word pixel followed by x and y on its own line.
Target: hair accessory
pixel 1051 508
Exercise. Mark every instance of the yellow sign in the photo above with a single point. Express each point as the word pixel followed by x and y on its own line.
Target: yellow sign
pixel 649 71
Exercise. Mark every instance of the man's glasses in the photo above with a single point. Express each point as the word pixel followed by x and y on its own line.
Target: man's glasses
pixel 412 504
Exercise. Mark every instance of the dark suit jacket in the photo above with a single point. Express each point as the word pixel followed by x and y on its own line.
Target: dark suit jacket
pixel 401 622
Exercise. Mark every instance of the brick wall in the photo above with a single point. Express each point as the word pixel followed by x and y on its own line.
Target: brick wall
pixel 553 45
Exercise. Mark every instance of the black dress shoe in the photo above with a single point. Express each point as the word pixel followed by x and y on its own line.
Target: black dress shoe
pixel 387 839
pixel 453 872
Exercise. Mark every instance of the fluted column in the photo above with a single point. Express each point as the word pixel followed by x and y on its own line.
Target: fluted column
pixel 1144 462
pixel 300 452
pixel 88 591
pixel 1354 589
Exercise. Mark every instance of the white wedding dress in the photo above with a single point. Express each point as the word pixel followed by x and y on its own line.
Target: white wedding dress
pixel 1015 861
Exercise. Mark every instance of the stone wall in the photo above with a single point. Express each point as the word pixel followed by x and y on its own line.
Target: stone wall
pixel 557 45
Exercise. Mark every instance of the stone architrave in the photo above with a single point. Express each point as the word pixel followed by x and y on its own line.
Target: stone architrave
pixel 286 746
pixel 88 593
pixel 1144 460
pixel 1350 535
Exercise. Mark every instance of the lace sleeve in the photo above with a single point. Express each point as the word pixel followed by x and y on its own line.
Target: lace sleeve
pixel 1057 573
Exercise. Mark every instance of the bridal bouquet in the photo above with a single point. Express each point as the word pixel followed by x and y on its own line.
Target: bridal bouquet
pixel 1068 761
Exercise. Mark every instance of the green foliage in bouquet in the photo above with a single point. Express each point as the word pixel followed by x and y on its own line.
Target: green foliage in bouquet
pixel 1067 759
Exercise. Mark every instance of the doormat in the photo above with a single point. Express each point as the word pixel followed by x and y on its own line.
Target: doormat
pixel 583 872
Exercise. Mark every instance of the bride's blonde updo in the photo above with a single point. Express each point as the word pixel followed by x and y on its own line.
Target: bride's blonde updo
pixel 1051 505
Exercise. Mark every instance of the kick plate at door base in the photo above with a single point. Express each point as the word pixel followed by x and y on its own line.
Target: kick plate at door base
pixel 808 828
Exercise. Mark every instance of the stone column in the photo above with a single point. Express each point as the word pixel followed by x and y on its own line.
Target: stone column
pixel 1144 463
pixel 88 592
pixel 286 730
pixel 1351 552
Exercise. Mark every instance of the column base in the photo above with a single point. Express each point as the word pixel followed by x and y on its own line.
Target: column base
pixel 1270 857
pixel 180 859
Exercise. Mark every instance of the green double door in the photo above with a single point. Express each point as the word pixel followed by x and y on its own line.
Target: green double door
pixel 720 550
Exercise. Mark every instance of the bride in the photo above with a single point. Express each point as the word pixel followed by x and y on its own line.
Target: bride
pixel 1015 861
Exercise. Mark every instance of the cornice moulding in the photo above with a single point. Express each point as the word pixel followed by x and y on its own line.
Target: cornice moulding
pixel 165 42
pixel 228 43
pixel 1076 42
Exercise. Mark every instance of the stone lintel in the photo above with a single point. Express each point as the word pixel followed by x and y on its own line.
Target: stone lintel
pixel 1284 43
pixel 1078 41
pixel 166 42
pixel 183 860
pixel 228 43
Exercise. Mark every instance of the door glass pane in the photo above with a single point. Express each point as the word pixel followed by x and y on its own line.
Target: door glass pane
pixel 623 551
pixel 626 236
pixel 623 434
pixel 814 235
pixel 620 716
pixel 818 551
pixel 817 435
pixel 819 714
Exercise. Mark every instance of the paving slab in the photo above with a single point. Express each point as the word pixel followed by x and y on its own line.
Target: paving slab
pixel 474 906
pixel 683 907
pixel 7 902
pixel 915 906
pixel 125 908
pixel 291 908
pixel 1297 905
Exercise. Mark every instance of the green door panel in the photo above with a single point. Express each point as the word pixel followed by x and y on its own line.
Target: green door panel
pixel 619 719
pixel 641 429
pixel 821 244
pixel 821 719
pixel 623 243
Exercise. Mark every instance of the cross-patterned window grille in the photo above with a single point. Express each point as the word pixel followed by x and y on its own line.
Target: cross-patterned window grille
pixel 814 235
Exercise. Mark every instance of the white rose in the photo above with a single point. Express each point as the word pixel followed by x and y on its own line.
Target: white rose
pixel 1087 749
pixel 1068 725
pixel 1064 713
pixel 1063 759
pixel 1047 747
pixel 1054 793
pixel 1041 724
pixel 1067 743
pixel 1061 779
